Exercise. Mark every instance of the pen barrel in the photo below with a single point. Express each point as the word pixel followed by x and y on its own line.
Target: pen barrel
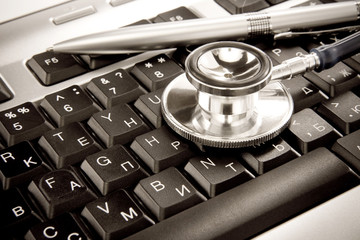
pixel 204 30
pixel 313 16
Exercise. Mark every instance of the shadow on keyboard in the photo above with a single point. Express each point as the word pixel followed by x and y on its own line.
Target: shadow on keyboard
pixel 85 152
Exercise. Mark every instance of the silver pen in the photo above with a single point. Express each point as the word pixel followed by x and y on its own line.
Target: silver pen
pixel 192 32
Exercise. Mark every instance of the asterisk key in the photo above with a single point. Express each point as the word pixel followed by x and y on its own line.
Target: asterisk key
pixel 148 65
pixel 161 60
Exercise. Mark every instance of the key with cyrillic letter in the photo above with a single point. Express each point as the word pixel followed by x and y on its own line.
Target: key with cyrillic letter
pixel 60 191
pixel 115 216
pixel 167 193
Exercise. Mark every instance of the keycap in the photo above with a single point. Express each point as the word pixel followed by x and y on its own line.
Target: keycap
pixel 284 51
pixel 167 193
pixel 338 79
pixel 157 72
pixel 307 131
pixel 260 203
pixel 177 14
pixel 19 163
pixel 21 123
pixel 304 93
pixel 115 88
pixel 51 67
pixel 342 111
pixel 161 148
pixel 269 155
pixel 217 174
pixel 95 61
pixel 242 6
pixel 150 106
pixel 68 145
pixel 353 62
pixel 65 226
pixel 69 105
pixel 113 168
pixel 348 147
pixel 115 216
pixel 60 191
pixel 16 214
pixel 118 125
pixel 5 93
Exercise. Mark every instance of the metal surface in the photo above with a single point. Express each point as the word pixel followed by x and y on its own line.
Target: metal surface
pixel 223 101
pixel 198 31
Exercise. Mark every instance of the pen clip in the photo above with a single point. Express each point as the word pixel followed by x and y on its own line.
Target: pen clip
pixel 292 34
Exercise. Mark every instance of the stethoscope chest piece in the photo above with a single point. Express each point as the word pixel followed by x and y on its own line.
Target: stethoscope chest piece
pixel 225 98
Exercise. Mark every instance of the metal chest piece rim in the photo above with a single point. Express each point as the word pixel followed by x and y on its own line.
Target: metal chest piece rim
pixel 225 98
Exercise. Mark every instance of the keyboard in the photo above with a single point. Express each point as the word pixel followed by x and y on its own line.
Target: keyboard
pixel 85 152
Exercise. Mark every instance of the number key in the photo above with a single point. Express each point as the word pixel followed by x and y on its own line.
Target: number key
pixel 69 105
pixel 21 123
pixel 115 88
pixel 157 72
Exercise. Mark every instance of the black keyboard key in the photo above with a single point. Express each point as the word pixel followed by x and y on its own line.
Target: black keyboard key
pixel 308 131
pixel 217 174
pixel 114 88
pixel 18 164
pixel 115 216
pixel 157 72
pixel 16 214
pixel 167 193
pixel 118 125
pixel 112 169
pixel 284 52
pixel 177 14
pixel 65 226
pixel 150 106
pixel 260 203
pixel 51 67
pixel 338 79
pixel 242 6
pixel 161 149
pixel 60 191
pixel 342 111
pixel 5 93
pixel 348 148
pixel 268 156
pixel 95 61
pixel 353 62
pixel 21 123
pixel 69 105
pixel 303 93
pixel 68 145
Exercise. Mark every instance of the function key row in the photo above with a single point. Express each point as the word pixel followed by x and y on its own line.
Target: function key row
pixel 51 67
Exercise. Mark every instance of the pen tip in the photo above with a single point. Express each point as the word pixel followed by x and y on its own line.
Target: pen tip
pixel 50 49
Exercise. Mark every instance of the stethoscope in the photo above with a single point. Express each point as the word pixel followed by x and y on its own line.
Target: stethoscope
pixel 230 95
